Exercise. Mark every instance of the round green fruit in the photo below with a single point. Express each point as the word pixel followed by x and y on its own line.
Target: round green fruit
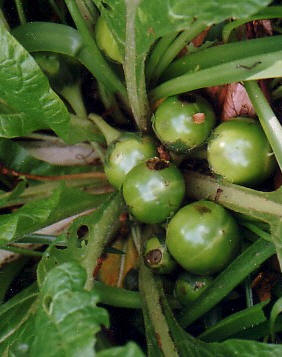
pixel 239 151
pixel 106 41
pixel 189 287
pixel 203 237
pixel 125 153
pixel 183 123
pixel 154 190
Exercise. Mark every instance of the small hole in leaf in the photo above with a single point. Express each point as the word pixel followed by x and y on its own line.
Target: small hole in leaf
pixel 105 5
pixel 82 231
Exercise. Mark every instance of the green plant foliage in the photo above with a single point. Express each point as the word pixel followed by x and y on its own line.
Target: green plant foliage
pixel 26 92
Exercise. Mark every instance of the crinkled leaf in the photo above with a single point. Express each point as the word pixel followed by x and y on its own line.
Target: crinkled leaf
pixel 26 91
pixel 64 202
pixel 100 226
pixel 68 317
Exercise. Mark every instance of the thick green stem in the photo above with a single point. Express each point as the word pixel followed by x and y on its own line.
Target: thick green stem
pixel 177 45
pixel 157 54
pixel 58 11
pixel 134 70
pixel 111 134
pixel 91 45
pixel 151 299
pixel 118 297
pixel 88 12
pixel 74 97
pixel 268 120
pixel 106 224
pixel 226 281
pixel 265 206
pixel 20 11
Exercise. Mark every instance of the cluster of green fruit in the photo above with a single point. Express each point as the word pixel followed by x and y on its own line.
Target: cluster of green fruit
pixel 202 237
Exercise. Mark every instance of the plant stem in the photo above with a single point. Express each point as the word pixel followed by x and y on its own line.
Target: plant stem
pixel 136 86
pixel 58 11
pixel 20 11
pixel 157 54
pixel 92 47
pixel 151 299
pixel 74 97
pixel 88 12
pixel 118 297
pixel 106 224
pixel 272 12
pixel 268 120
pixel 260 205
pixel 111 134
pixel 255 229
pixel 226 281
pixel 177 45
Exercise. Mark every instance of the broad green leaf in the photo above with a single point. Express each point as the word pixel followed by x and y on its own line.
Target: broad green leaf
pixel 67 318
pixel 101 226
pixel 64 202
pixel 26 91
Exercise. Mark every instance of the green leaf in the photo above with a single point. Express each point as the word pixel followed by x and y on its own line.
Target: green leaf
pixel 234 323
pixel 67 317
pixel 275 312
pixel 14 314
pixel 189 346
pixel 58 38
pixel 64 202
pixel 26 91
pixel 101 225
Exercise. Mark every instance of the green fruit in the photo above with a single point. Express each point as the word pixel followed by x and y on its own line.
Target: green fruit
pixel 239 151
pixel 154 190
pixel 106 41
pixel 189 287
pixel 203 237
pixel 183 124
pixel 125 153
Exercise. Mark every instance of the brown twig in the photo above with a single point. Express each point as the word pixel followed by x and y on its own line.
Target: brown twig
pixel 83 175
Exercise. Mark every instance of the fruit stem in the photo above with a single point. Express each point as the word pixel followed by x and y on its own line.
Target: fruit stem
pixel 111 134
